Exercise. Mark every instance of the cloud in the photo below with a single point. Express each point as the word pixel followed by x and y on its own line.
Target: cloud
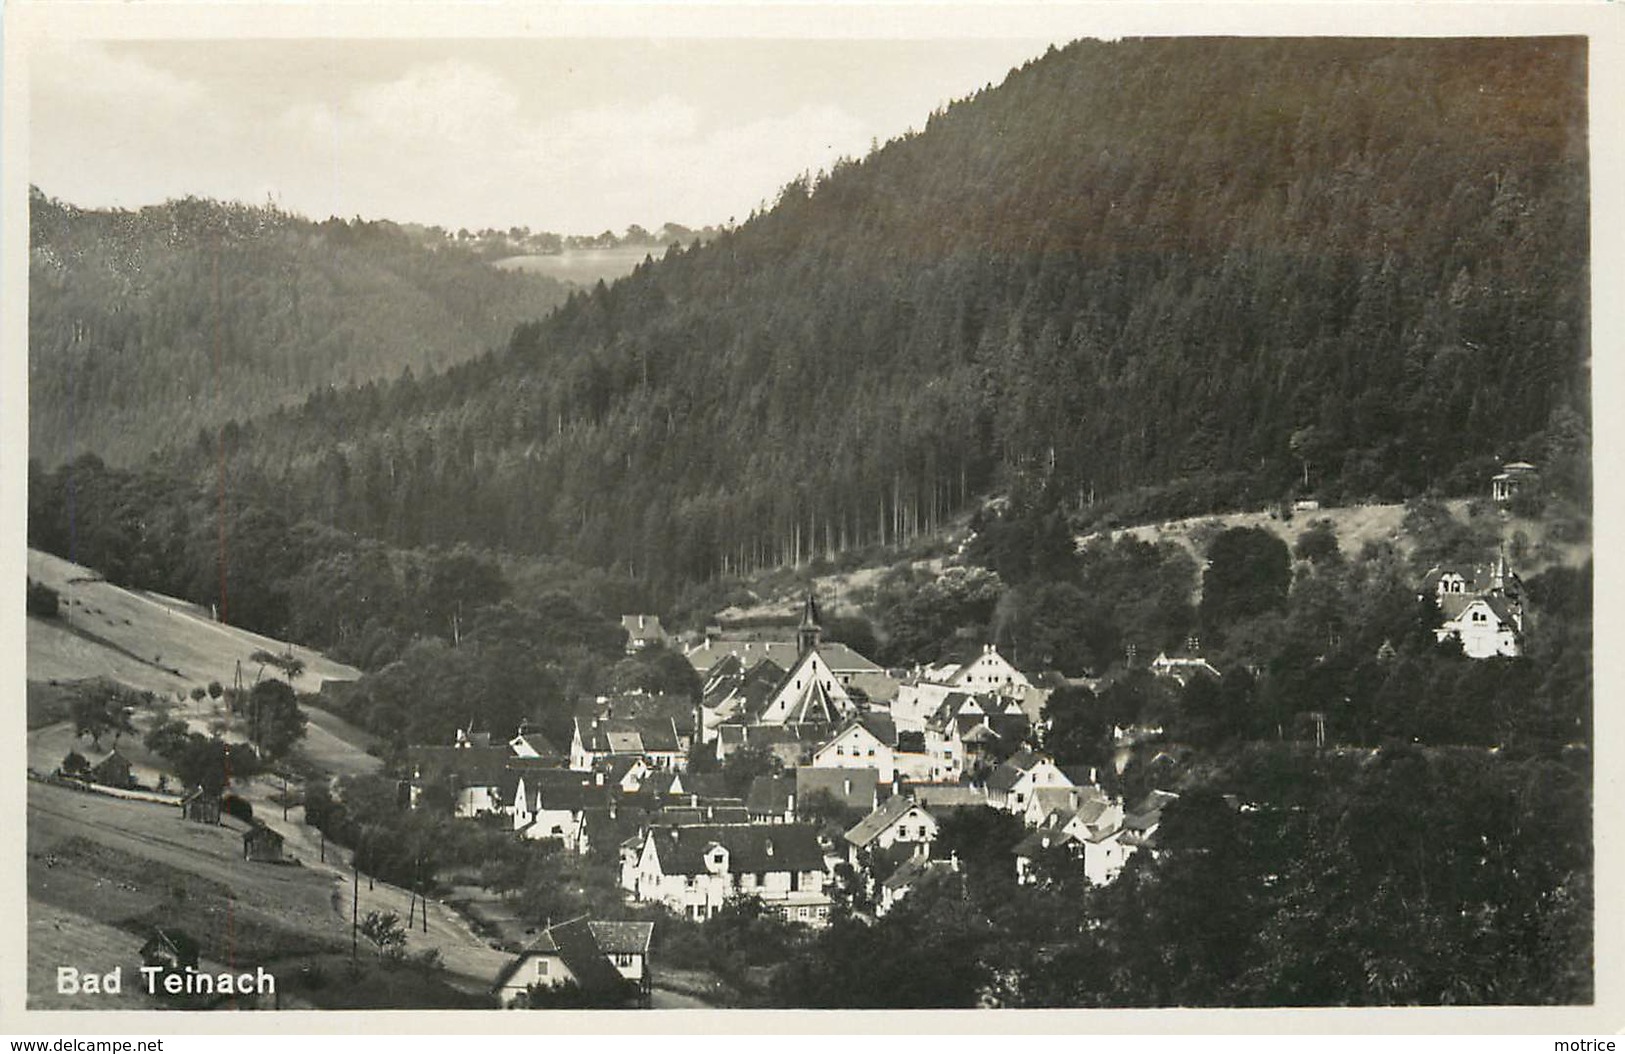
pixel 447 141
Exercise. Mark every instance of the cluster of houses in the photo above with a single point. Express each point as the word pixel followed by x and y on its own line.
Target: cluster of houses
pixel 870 762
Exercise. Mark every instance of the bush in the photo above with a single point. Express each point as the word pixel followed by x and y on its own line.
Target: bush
pixel 42 600
pixel 238 807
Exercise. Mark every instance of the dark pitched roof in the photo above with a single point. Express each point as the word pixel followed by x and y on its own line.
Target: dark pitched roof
pixel 751 848
pixel 706 784
pixel 543 747
pixel 623 938
pixel 576 944
pixel 889 812
pixel 880 725
pixel 770 795
pixel 636 706
pixel 724 811
pixel 852 787
pixel 917 871
pixel 1010 772
pixel 465 766
pixel 636 735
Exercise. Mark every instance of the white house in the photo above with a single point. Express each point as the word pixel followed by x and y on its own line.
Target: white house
pixel 1013 782
pixel 605 959
pixel 990 672
pixel 898 819
pixel 811 693
pixel 866 741
pixel 696 870
pixel 1487 626
pixel 1482 607
pixel 652 738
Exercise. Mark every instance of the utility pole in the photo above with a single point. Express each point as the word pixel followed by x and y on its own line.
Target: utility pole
pixel 355 902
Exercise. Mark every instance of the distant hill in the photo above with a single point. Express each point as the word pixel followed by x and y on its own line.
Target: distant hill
pixel 146 326
pixel 1234 266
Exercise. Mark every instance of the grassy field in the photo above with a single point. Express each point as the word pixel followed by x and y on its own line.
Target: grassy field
pixel 150 643
pixel 583 267
pixel 102 872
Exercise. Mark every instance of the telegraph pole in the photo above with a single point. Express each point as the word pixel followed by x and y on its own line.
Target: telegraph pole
pixel 355 902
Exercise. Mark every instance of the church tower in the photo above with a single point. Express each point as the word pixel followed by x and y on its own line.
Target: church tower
pixel 809 634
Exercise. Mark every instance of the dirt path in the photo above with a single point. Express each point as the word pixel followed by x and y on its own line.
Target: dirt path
pixel 471 963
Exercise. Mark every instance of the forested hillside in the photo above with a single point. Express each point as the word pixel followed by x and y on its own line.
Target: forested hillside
pixel 145 326
pixel 1356 267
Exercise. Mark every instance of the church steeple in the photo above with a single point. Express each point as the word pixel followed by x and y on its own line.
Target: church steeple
pixel 809 634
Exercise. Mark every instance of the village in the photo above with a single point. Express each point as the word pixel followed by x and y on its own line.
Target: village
pixel 849 771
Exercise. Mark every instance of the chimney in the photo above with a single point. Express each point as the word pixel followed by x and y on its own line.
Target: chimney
pixel 767 846
pixel 791 804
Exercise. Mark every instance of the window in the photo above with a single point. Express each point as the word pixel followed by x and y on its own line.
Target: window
pixel 541 967
pixel 623 959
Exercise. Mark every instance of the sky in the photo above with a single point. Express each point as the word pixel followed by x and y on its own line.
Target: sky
pixel 572 136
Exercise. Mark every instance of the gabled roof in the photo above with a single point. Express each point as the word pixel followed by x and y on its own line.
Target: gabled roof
pixel 770 795
pixel 712 812
pixel 1040 840
pixel 836 781
pixel 540 745
pixel 602 825
pixel 635 735
pixel 880 725
pixel 623 938
pixel 840 657
pixel 646 707
pixel 947 795
pixel 876 823
pixel 1010 772
pixel 917 871
pixel 616 767
pixel 576 944
pixel 751 848
pixel 706 784
pixel 1147 814
pixel 735 735
pixel 663 782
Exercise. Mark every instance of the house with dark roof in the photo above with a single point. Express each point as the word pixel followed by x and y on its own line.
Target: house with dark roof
pixel 857 789
pixel 771 799
pixel 1013 782
pixel 529 743
pixel 1480 606
pixel 608 962
pixel 696 870
pixel 792 744
pixel 653 738
pixel 201 806
pixel 472 775
pixel 917 872
pixel 111 769
pixel 548 802
pixel 262 845
pixel 866 740
pixel 643 631
pixel 898 819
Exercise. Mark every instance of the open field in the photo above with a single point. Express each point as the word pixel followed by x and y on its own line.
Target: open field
pixel 102 872
pixel 146 643
pixel 583 267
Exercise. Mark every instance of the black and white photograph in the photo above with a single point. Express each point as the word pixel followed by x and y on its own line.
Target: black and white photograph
pixel 1002 517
